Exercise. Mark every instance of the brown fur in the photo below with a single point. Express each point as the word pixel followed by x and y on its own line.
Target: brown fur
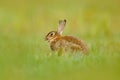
pixel 65 43
pixel 68 43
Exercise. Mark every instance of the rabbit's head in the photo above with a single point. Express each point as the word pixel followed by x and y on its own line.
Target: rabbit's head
pixel 55 34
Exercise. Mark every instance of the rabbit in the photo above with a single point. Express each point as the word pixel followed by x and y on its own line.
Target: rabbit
pixel 66 43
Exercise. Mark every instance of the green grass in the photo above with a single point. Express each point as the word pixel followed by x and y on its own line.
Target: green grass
pixel 24 55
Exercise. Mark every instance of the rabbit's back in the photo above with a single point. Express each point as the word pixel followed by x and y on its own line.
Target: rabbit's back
pixel 69 43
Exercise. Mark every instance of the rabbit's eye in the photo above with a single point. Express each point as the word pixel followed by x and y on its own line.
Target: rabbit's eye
pixel 52 34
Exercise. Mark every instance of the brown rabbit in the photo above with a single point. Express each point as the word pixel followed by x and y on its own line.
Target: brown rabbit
pixel 66 43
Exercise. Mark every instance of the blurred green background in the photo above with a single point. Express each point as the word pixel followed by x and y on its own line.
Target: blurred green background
pixel 24 53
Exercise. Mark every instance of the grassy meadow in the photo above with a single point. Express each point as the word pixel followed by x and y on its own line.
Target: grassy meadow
pixel 24 55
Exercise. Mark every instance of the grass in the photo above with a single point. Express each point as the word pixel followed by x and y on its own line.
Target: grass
pixel 24 53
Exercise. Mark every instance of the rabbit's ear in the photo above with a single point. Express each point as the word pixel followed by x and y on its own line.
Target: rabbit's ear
pixel 61 26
